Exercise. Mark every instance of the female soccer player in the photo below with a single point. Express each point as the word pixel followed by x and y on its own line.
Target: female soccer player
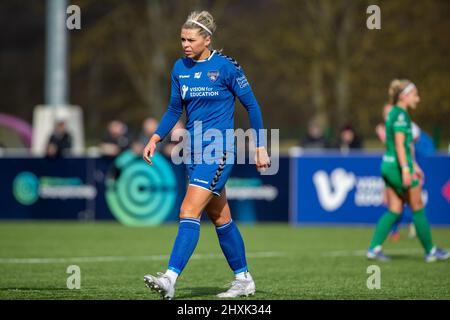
pixel 402 175
pixel 381 133
pixel 206 83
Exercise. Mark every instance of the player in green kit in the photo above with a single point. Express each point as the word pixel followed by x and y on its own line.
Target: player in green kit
pixel 402 175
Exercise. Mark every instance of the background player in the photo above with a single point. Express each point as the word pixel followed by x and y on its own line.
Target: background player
pixel 380 130
pixel 402 175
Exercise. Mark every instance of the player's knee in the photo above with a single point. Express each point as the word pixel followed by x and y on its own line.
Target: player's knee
pixel 396 208
pixel 213 214
pixel 417 204
pixel 216 218
pixel 188 211
pixel 219 217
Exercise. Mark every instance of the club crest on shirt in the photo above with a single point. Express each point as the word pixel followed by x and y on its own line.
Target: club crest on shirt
pixel 213 75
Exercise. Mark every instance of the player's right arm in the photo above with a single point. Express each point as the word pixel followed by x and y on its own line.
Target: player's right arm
pixel 169 119
pixel 401 156
pixel 150 148
pixel 400 128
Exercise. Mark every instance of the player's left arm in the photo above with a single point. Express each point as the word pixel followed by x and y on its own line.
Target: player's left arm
pixel 240 87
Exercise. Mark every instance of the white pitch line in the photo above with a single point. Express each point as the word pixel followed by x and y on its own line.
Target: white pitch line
pixel 347 253
pixel 126 258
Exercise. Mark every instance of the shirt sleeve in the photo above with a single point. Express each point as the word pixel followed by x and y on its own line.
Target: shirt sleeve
pixel 249 102
pixel 400 123
pixel 236 80
pixel 174 110
pixel 240 87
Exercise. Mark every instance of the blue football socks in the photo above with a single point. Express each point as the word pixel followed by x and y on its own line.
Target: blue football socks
pixel 185 243
pixel 232 245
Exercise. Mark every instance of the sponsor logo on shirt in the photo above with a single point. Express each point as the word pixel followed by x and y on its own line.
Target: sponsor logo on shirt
pixel 242 82
pixel 201 181
pixel 202 92
pixel 184 89
pixel 184 76
pixel 197 75
pixel 400 120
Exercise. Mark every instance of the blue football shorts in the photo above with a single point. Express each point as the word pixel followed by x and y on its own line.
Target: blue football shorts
pixel 210 176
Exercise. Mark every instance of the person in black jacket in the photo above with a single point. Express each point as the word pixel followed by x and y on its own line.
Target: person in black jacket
pixel 349 139
pixel 60 141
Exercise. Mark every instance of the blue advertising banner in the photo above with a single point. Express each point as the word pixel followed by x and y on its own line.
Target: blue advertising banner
pixel 348 189
pixel 253 197
pixel 123 188
pixel 137 194
pixel 127 189
pixel 41 188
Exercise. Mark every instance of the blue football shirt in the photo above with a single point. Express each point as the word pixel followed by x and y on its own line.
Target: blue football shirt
pixel 206 89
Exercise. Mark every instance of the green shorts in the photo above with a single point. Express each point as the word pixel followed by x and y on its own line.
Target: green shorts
pixel 392 176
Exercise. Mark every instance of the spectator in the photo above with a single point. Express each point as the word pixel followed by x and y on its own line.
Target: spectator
pixel 314 138
pixel 116 140
pixel 349 139
pixel 168 145
pixel 60 141
pixel 2 147
pixel 149 127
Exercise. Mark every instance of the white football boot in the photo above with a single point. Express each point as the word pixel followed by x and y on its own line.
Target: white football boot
pixel 239 288
pixel 437 254
pixel 161 284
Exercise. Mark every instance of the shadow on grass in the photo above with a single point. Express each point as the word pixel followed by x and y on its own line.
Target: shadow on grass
pixel 208 292
pixel 404 257
pixel 197 292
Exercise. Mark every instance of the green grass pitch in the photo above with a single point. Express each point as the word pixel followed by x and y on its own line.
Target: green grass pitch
pixel 286 262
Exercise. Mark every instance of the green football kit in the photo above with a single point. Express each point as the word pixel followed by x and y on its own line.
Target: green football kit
pixel 398 120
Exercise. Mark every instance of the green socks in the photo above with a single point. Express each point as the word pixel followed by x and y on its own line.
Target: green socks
pixel 383 228
pixel 423 229
pixel 385 223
